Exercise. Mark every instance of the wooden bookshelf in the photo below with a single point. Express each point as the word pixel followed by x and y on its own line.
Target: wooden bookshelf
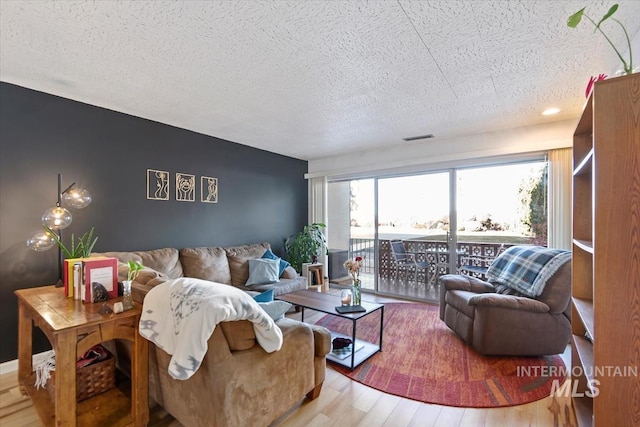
pixel 606 254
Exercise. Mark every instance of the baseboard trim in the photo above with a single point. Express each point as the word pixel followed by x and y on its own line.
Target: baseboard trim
pixel 12 365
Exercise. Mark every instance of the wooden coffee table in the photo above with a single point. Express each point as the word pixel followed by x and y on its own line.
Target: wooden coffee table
pixel 327 303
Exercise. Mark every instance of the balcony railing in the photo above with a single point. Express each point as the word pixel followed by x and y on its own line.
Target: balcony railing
pixel 436 252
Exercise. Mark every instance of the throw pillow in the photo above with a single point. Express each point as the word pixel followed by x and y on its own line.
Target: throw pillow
pixel 263 271
pixel 266 296
pixel 283 263
pixel 276 309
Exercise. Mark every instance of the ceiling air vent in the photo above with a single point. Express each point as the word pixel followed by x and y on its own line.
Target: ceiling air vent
pixel 415 138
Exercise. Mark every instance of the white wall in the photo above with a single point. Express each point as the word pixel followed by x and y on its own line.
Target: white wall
pixel 422 155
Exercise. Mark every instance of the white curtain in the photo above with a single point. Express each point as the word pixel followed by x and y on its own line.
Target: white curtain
pixel 318 206
pixel 560 186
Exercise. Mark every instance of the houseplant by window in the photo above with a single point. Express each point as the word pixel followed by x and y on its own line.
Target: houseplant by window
pixel 306 245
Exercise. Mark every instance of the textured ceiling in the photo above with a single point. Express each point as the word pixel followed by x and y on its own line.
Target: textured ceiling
pixel 312 79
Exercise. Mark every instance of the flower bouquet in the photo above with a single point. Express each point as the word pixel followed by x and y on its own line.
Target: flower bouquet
pixel 354 265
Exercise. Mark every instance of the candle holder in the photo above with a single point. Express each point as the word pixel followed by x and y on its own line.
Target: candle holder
pixel 345 297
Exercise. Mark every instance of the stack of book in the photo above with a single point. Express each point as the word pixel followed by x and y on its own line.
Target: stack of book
pixel 91 279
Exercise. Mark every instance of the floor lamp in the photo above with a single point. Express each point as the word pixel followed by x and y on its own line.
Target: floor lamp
pixel 59 218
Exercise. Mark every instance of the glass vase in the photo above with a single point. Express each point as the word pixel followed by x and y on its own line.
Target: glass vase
pixel 127 299
pixel 356 293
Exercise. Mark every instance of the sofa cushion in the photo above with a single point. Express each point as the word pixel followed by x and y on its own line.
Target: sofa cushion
pixel 239 257
pixel 284 286
pixel 263 271
pixel 283 263
pixel 164 260
pixel 289 273
pixel 266 296
pixel 206 264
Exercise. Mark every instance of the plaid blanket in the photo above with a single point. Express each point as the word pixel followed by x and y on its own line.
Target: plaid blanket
pixel 526 269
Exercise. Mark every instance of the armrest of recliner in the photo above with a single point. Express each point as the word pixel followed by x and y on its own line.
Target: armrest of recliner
pixel 465 283
pixel 509 301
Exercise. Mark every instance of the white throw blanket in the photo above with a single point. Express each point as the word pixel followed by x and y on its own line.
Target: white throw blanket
pixel 180 315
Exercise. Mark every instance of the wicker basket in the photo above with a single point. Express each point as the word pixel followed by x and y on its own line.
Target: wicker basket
pixel 91 379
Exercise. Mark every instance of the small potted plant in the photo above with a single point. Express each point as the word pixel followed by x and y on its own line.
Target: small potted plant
pixel 306 245
pixel 79 249
pixel 134 270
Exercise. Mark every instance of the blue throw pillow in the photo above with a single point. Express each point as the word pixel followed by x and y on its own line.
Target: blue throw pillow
pixel 263 271
pixel 283 263
pixel 266 296
pixel 276 309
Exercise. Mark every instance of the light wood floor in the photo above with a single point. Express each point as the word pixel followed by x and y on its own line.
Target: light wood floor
pixel 346 403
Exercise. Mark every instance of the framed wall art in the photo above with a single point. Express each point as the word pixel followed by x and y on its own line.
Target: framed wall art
pixel 185 187
pixel 208 189
pixel 157 184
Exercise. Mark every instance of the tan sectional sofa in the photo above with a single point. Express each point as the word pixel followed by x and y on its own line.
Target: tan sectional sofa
pixel 238 383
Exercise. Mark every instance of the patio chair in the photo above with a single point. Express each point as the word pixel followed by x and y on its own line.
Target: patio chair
pixel 477 265
pixel 406 261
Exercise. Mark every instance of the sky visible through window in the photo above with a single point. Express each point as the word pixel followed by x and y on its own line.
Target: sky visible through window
pixel 419 204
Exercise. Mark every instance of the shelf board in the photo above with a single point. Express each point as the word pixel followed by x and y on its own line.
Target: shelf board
pixel 363 354
pixel 585 245
pixel 584 308
pixel 585 165
pixel 92 411
pixel 585 353
pixel 583 408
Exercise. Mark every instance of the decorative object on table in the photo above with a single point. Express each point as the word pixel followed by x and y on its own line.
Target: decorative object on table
pixel 344 350
pixel 157 185
pixel 58 218
pixel 592 80
pixel 134 269
pixel 345 297
pixel 185 187
pixel 304 245
pixel 420 349
pixel 576 18
pixel 105 309
pixel 339 343
pixel 208 189
pixel 343 309
pixel 354 266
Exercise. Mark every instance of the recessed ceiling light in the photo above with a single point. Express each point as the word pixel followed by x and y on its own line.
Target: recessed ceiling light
pixel 550 111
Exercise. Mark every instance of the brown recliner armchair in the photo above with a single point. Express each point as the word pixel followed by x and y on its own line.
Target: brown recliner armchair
pixel 499 324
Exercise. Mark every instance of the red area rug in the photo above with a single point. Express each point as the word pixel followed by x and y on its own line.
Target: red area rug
pixel 422 359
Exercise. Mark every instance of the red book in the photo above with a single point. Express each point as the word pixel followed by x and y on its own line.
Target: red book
pixel 100 275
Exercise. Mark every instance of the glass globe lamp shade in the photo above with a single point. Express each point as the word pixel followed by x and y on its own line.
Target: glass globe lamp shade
pixel 77 198
pixel 40 241
pixel 57 218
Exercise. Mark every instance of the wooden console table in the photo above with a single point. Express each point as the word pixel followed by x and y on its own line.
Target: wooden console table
pixel 73 328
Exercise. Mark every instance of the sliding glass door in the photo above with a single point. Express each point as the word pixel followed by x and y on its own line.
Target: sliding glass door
pixel 412 229
pixel 413 233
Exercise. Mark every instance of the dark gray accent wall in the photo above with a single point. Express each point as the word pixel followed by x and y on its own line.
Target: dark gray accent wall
pixel 262 195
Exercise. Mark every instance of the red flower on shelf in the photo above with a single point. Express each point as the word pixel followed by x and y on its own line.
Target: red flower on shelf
pixel 592 80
